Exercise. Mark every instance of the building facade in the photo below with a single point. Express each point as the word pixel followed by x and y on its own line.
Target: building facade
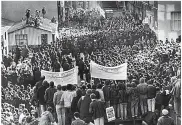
pixel 24 34
pixel 169 19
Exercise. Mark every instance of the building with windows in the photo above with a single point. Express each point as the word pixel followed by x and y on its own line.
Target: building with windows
pixel 22 33
pixel 169 19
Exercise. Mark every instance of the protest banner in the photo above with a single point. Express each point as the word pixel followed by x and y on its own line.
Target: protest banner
pixel 103 72
pixel 62 78
pixel 110 114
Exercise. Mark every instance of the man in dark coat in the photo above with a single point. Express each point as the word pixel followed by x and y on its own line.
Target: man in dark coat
pixel 151 94
pixel 17 54
pixel 83 106
pixel 66 66
pixel 40 97
pixel 56 66
pixel 49 94
pixel 106 91
pixel 81 68
pixel 39 83
pixel 25 52
pixel 150 118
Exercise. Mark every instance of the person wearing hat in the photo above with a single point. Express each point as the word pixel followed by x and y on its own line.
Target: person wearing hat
pixel 83 106
pixel 165 119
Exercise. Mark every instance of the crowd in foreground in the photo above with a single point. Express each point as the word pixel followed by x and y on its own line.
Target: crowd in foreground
pixel 151 90
pixel 153 84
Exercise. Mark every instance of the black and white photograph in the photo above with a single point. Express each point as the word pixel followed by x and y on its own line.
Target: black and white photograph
pixel 90 62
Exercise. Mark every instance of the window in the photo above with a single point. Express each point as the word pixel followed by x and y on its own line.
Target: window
pixel 21 39
pixel 175 21
pixel 5 35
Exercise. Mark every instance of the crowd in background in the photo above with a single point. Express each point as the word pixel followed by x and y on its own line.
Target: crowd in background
pixel 153 80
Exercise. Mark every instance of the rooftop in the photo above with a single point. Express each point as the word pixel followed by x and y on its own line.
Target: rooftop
pixel 45 24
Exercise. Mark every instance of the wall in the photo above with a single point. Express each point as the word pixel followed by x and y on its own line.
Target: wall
pixel 15 10
pixel 164 19
pixel 34 36
pixel 4 38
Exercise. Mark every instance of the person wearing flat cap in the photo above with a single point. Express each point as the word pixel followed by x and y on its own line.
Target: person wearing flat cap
pixel 165 119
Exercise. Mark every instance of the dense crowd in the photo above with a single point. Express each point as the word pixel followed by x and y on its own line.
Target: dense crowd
pixel 151 90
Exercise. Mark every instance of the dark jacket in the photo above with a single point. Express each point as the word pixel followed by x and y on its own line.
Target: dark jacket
pixel 96 93
pixel 151 118
pixel 66 66
pixel 114 97
pixel 122 96
pixel 142 90
pixel 97 109
pixel 165 120
pixel 106 92
pixel 74 107
pixel 57 67
pixel 83 106
pixel 159 98
pixel 49 94
pixel 40 95
pixel 38 84
pixel 81 66
pixel 151 91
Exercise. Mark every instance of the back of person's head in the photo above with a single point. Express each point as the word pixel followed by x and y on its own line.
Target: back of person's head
pixel 73 87
pixel 165 112
pixel 99 86
pixel 28 119
pixel 89 91
pixel 93 96
pixel 113 86
pixel 76 115
pixel 42 78
pixel 64 88
pixel 89 86
pixel 107 82
pixel 133 84
pixel 49 109
pixel 25 111
pixel 51 84
pixel 78 93
pixel 59 87
pixel 142 80
pixel 69 87
pixel 45 83
pixel 94 87
pixel 83 87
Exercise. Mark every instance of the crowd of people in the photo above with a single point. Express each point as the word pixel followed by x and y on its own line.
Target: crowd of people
pixel 151 90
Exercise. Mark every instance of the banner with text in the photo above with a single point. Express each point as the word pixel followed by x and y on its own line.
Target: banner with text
pixel 63 78
pixel 103 72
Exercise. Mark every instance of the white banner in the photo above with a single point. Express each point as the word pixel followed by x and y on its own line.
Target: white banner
pixel 62 78
pixel 103 72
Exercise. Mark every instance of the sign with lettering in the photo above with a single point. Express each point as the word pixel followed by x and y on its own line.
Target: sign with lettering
pixel 103 72
pixel 63 78
pixel 110 114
